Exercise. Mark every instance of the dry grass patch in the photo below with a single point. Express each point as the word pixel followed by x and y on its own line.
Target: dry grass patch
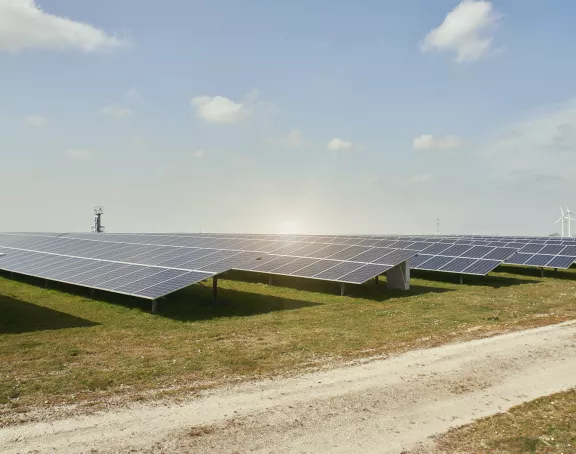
pixel 546 425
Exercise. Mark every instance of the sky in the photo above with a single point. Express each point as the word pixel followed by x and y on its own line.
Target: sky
pixel 365 117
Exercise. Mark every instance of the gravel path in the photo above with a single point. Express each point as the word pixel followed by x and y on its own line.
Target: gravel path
pixel 379 406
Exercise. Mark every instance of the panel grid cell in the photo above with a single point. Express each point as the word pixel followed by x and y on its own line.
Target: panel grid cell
pixel 338 271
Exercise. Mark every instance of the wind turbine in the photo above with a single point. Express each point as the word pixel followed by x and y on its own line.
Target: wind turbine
pixel 566 218
pixel 569 218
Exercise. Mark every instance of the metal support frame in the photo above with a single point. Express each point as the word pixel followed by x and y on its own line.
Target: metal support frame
pixel 541 272
pixel 270 280
pixel 376 280
pixel 461 279
pixel 398 277
pixel 214 291
pixel 154 306
pixel 342 289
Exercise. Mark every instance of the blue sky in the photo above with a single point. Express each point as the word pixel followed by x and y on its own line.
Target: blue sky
pixel 303 116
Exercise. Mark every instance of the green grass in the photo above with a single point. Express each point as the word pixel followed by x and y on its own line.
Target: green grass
pixel 546 425
pixel 58 346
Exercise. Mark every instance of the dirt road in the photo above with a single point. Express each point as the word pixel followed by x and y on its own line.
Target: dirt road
pixel 386 405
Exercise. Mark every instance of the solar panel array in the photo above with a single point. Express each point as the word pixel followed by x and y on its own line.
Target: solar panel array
pixel 152 265
pixel 547 252
pixel 316 257
pixel 374 250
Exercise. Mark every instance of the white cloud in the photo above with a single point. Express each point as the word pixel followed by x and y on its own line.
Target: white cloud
pixel 466 30
pixel 429 142
pixel 219 109
pixel 420 179
pixel 37 120
pixel 337 144
pixel 199 154
pixel 80 153
pixel 223 110
pixel 23 25
pixel 294 139
pixel 115 111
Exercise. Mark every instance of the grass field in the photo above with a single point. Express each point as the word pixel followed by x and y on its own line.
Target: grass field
pixel 60 347
pixel 546 425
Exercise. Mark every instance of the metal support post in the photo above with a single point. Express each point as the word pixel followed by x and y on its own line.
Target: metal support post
pixel 270 280
pixel 376 280
pixel 461 279
pixel 154 306
pixel 342 289
pixel 45 283
pixel 214 291
pixel 541 272
pixel 92 292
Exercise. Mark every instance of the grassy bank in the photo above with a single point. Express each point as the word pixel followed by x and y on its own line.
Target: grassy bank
pixel 60 347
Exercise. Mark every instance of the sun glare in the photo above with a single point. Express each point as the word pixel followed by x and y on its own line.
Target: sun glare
pixel 289 227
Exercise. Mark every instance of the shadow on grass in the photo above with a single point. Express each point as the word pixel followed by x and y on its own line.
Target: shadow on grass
pixel 189 304
pixel 19 317
pixel 493 280
pixel 195 303
pixel 369 290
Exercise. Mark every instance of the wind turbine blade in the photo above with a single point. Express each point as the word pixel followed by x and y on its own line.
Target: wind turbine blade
pixel 561 210
pixel 559 219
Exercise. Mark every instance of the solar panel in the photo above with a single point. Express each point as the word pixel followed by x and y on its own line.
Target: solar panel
pixel 435 263
pixel 458 265
pixel 365 273
pixel 500 253
pixel 348 253
pixel 315 268
pixel 539 260
pixel 395 257
pixel 435 249
pixel 569 250
pixel 171 285
pixel 456 250
pixel 551 249
pixel 328 251
pixel 294 266
pixel 138 285
pixel 477 252
pixel 532 248
pixel 338 271
pixel 482 267
pixel 276 262
pixel 561 261
pixel 416 262
pixel 371 254
pixel 519 259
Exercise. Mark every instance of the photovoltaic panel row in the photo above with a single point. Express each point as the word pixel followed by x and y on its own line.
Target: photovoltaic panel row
pixel 135 280
pixel 459 265
pixel 123 260
pixel 324 269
